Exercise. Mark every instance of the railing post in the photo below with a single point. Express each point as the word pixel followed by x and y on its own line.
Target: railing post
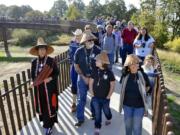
pixel 9 106
pixel 26 95
pixel 16 103
pixel 6 127
pixel 31 92
pixel 21 98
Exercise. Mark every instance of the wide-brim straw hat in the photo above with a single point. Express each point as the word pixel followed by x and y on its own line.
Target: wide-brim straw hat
pixel 103 57
pixel 132 59
pixel 87 35
pixel 77 32
pixel 41 43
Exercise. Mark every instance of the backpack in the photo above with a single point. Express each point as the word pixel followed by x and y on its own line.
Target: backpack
pixel 114 37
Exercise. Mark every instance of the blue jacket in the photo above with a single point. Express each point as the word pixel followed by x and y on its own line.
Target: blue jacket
pixel 73 46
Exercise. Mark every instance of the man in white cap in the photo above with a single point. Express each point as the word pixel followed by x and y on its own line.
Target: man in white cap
pixel 74 45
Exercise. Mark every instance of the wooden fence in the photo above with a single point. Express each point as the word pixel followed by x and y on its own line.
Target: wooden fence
pixel 16 100
pixel 162 122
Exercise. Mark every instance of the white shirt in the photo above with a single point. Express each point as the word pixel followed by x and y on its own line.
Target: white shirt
pixel 143 51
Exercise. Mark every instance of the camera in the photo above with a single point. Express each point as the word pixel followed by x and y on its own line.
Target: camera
pixel 143 44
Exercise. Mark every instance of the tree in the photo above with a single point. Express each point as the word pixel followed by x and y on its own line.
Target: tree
pixel 79 4
pixel 59 8
pixel 171 14
pixel 149 5
pixel 73 13
pixel 93 9
pixel 14 12
pixel 116 8
pixel 3 10
pixel 25 9
pixel 132 10
pixel 34 15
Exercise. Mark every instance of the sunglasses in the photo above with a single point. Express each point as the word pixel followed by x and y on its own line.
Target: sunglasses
pixel 89 40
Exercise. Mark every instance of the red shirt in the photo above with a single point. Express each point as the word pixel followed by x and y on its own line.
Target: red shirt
pixel 129 36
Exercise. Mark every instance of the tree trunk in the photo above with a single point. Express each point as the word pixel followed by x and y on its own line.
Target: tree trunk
pixel 6 48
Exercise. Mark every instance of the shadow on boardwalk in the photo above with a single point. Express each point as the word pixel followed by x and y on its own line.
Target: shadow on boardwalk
pixel 67 119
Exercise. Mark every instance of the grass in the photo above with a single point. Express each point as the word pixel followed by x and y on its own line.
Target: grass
pixel 15 59
pixel 170 60
pixel 175 113
pixel 63 39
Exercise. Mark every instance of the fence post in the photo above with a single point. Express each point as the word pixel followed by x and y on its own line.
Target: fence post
pixel 31 92
pixel 21 98
pixel 4 115
pixel 9 106
pixel 26 94
pixel 16 103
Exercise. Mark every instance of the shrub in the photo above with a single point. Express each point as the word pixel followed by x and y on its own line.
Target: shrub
pixel 173 45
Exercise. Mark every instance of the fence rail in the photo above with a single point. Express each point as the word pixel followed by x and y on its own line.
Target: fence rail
pixel 17 101
pixel 162 121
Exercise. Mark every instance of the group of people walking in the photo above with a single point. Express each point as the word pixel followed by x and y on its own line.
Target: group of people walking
pixel 92 56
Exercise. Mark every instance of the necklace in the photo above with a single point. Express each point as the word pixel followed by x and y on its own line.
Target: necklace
pixel 88 58
pixel 41 65
pixel 100 78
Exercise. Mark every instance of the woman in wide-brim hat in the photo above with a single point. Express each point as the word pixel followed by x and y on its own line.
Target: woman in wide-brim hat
pixel 46 92
pixel 73 46
pixel 134 87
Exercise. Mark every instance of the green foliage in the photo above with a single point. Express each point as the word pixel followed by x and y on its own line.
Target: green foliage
pixel 73 13
pixel 20 33
pixel 29 37
pixel 34 14
pixel 93 8
pixel 160 34
pixel 59 8
pixel 144 19
pixel 132 10
pixel 173 45
pixel 116 8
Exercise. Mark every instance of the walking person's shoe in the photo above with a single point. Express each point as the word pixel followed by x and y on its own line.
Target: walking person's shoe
pixel 79 123
pixel 73 108
pixel 97 131
pixel 92 117
pixel 107 122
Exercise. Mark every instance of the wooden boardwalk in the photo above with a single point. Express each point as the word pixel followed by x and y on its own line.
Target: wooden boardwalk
pixel 67 119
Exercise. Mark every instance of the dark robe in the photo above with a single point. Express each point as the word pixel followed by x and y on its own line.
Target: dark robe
pixel 46 100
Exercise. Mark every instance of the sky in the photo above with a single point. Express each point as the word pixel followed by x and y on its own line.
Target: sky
pixel 45 5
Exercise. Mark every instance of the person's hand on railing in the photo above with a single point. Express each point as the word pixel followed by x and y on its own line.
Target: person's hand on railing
pixel 31 85
pixel 47 80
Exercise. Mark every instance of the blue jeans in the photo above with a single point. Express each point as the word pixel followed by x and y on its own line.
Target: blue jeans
pixel 74 77
pixel 81 95
pixel 133 120
pixel 126 49
pixel 100 104
pixel 111 60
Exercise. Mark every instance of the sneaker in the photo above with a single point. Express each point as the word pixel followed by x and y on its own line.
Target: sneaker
pixel 92 117
pixel 96 132
pixel 79 123
pixel 48 131
pixel 73 108
pixel 107 122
